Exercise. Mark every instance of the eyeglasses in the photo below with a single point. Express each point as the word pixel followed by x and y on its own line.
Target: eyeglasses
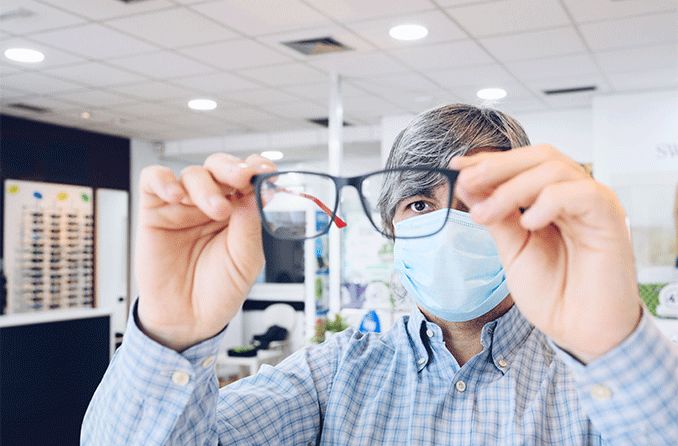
pixel 285 198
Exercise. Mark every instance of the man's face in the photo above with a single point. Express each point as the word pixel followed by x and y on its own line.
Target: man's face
pixel 437 199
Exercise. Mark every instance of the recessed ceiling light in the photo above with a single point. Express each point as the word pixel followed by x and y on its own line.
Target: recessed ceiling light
pixel 202 104
pixel 409 31
pixel 85 115
pixel 24 55
pixel 491 93
pixel 273 155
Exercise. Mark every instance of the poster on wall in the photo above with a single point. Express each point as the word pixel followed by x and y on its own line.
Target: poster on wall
pixel 651 204
pixel 48 246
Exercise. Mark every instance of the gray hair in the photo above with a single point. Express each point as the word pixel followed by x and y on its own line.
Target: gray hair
pixel 432 139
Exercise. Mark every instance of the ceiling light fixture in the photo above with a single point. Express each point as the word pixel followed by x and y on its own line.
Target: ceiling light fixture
pixel 491 94
pixel 409 31
pixel 202 104
pixel 24 55
pixel 273 155
pixel 85 115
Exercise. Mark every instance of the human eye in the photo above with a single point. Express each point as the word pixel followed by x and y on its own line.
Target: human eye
pixel 418 206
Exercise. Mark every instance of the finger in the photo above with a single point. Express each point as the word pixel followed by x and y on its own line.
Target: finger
pixel 522 190
pixel 234 172
pixel 573 199
pixel 207 195
pixel 159 185
pixel 489 169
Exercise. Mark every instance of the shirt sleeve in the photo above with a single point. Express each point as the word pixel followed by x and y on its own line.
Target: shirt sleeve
pixel 154 395
pixel 631 393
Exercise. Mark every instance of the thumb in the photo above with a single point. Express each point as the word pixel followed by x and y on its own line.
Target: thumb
pixel 244 233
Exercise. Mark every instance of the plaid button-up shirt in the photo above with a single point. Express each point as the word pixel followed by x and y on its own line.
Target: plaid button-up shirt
pixel 401 388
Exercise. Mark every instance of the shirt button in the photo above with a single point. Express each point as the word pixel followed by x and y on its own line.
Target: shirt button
pixel 502 363
pixel 460 386
pixel 429 333
pixel 601 392
pixel 180 378
pixel 208 361
pixel 421 361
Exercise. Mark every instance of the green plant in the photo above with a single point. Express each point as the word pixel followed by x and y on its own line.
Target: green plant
pixel 337 324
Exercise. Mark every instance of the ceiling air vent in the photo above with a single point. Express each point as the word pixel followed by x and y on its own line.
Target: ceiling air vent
pixel 571 90
pixel 18 13
pixel 324 122
pixel 321 45
pixel 29 107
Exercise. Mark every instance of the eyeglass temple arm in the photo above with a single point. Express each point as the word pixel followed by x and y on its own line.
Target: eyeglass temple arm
pixel 336 219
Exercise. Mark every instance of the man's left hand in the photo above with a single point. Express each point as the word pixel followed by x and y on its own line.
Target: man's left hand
pixel 568 257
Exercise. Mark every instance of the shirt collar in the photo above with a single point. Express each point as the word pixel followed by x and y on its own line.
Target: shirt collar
pixel 502 337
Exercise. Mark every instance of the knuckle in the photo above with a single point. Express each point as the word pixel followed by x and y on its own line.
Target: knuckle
pixel 191 170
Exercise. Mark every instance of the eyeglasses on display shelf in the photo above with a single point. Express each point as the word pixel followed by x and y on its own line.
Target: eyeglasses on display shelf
pixel 386 196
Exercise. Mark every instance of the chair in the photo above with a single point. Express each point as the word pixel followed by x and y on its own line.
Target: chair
pixel 282 315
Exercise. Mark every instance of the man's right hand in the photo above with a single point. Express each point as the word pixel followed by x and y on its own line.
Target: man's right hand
pixel 198 248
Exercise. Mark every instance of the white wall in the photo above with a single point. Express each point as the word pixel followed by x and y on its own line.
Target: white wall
pixel 570 131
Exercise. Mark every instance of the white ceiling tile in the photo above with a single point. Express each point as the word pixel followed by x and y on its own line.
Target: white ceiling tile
pixel 162 65
pixel 53 57
pixel 477 76
pixel 644 80
pixel 358 64
pixel 647 58
pixel 244 115
pixel 320 92
pixel 532 45
pixel 285 74
pixel 277 125
pixel 6 69
pixel 262 96
pixel 553 67
pixel 368 106
pixel 215 83
pixel 509 16
pixel 145 109
pixel 153 91
pixel 340 34
pixel 189 118
pixel 592 10
pixel 37 83
pixel 262 16
pixel 635 31
pixel 446 3
pixel 99 10
pixel 406 82
pixel 518 105
pixel 443 55
pixel 440 29
pixel 94 74
pixel 37 17
pixel 235 54
pixel 353 10
pixel 94 98
pixel 93 41
pixel 303 110
pixel 173 28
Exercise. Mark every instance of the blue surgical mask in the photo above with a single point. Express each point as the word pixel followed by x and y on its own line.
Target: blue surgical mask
pixel 455 274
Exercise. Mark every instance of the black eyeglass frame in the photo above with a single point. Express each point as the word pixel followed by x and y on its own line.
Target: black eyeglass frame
pixel 357 182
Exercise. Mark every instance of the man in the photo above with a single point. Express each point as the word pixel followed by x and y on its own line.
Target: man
pixel 568 357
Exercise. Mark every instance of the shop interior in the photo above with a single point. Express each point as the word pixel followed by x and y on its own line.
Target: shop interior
pixel 94 91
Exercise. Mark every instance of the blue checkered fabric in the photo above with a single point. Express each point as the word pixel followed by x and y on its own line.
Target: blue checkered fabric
pixel 401 388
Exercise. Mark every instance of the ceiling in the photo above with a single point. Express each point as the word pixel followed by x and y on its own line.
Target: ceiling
pixel 133 66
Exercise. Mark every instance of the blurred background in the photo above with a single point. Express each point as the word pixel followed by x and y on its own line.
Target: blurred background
pixel 93 91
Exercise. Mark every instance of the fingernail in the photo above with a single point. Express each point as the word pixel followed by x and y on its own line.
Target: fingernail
pixel 265 167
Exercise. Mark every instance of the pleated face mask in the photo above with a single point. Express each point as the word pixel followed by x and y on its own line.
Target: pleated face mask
pixel 455 274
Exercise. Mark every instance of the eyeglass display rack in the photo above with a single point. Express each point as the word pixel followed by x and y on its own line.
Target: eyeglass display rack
pixel 48 246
